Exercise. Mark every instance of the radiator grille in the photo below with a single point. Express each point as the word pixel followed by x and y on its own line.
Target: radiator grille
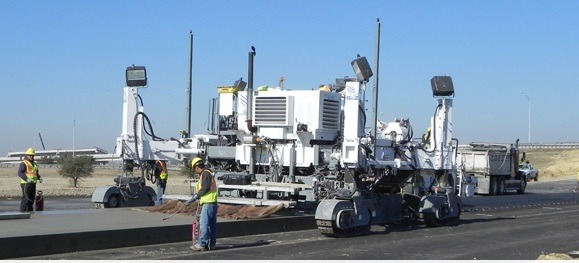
pixel 331 114
pixel 271 111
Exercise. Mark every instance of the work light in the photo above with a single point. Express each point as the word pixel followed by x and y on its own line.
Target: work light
pixel 136 76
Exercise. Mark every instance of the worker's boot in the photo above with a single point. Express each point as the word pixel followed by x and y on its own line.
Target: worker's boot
pixel 197 247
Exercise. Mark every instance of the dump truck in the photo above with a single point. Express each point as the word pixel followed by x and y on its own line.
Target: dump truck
pixel 491 168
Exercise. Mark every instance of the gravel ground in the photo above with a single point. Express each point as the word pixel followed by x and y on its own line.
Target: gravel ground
pixel 54 185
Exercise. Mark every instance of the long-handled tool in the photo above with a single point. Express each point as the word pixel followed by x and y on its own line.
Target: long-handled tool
pixel 179 210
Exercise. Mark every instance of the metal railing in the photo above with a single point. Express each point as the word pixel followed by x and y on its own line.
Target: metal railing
pixel 539 145
pixel 559 145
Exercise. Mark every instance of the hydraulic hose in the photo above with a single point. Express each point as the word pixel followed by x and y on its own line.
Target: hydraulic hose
pixel 26 193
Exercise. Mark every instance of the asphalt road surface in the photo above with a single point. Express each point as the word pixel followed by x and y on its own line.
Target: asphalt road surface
pixel 511 227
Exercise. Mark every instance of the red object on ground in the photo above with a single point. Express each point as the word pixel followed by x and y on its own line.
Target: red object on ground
pixel 196 232
pixel 39 201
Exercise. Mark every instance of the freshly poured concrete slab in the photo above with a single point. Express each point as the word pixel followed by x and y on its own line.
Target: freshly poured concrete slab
pixel 54 232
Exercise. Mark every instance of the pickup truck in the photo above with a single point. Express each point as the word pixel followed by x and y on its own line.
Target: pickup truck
pixel 529 171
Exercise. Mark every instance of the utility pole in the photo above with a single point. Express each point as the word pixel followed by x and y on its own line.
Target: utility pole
pixel 73 146
pixel 189 86
pixel 375 91
pixel 529 128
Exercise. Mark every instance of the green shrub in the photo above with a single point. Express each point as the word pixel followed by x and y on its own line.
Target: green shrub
pixel 76 168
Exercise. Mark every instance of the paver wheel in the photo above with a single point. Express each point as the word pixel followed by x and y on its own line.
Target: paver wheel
pixel 113 201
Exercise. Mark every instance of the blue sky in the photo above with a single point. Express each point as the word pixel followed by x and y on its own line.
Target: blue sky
pixel 62 63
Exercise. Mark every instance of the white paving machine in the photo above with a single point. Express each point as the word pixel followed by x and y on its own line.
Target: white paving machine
pixel 306 150
pixel 138 147
pixel 394 177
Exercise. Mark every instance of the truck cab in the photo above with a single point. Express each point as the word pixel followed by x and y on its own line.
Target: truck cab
pixel 530 173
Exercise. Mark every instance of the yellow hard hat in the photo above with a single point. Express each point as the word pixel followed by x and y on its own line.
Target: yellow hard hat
pixel 324 88
pixel 196 161
pixel 30 151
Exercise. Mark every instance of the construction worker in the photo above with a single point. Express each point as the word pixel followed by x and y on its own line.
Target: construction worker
pixel 161 174
pixel 29 176
pixel 207 196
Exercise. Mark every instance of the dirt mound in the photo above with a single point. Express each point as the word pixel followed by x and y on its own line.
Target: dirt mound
pixel 553 163
pixel 225 211
pixel 555 256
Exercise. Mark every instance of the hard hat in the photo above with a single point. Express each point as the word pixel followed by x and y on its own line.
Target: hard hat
pixel 30 151
pixel 195 162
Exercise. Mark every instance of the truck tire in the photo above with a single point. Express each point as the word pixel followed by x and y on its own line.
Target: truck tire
pixel 500 185
pixel 522 186
pixel 536 177
pixel 493 188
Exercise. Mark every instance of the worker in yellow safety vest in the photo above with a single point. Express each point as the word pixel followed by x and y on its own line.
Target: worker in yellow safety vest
pixel 207 195
pixel 29 176
pixel 161 175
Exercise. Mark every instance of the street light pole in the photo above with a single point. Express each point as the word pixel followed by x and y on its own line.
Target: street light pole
pixel 529 100
pixel 73 127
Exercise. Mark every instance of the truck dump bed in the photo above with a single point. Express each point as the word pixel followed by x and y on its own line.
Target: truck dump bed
pixel 490 168
pixel 485 159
